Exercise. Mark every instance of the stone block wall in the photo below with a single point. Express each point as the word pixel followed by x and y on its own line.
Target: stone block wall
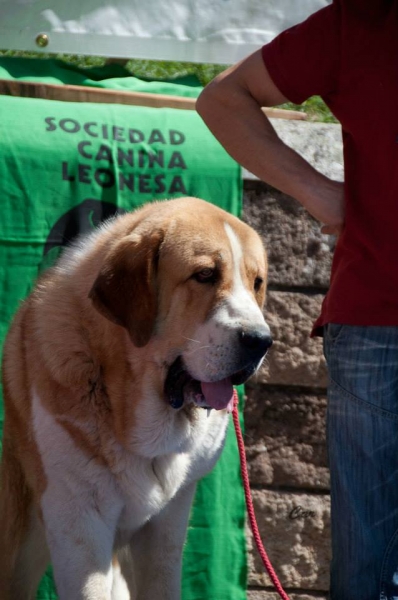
pixel 286 402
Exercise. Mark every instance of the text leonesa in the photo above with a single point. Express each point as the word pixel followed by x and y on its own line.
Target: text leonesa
pixel 139 156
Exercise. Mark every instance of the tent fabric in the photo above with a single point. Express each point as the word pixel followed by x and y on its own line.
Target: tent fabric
pixel 215 31
pixel 66 167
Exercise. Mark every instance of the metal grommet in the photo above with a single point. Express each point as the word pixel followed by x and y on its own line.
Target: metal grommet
pixel 42 40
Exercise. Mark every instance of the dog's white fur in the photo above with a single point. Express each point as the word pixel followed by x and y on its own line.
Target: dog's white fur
pixel 98 470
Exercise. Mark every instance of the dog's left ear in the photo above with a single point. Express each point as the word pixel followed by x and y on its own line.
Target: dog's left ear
pixel 125 289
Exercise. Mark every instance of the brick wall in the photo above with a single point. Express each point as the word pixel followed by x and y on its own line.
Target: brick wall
pixel 286 402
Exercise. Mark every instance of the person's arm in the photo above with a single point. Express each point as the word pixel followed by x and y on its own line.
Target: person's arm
pixel 231 107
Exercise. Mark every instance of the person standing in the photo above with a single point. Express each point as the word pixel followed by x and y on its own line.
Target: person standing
pixel 347 53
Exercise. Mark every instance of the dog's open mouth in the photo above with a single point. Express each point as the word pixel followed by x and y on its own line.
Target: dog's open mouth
pixel 180 387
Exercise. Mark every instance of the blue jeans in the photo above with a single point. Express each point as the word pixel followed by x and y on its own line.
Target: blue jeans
pixel 362 431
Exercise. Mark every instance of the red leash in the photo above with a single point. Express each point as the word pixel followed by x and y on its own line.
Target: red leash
pixel 249 503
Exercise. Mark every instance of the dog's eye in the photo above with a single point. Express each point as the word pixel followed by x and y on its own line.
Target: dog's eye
pixel 258 282
pixel 205 276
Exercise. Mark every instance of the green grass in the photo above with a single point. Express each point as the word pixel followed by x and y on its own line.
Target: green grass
pixel 314 107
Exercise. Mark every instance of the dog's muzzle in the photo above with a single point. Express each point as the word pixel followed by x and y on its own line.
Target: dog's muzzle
pixel 181 387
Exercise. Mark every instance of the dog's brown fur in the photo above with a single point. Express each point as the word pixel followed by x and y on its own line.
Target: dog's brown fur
pixel 68 344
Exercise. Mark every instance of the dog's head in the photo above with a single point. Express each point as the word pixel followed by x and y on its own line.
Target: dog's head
pixel 190 278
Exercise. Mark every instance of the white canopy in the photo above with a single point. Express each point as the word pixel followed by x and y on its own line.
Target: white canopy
pixel 213 31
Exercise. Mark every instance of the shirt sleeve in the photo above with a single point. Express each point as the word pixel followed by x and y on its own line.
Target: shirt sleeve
pixel 304 60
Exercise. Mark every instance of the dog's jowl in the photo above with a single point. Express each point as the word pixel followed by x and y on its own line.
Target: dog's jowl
pixel 108 367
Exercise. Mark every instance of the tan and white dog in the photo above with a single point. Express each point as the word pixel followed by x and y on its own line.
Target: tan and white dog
pixel 108 367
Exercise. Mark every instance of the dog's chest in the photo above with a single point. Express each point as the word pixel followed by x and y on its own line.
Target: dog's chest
pixel 133 488
pixel 147 485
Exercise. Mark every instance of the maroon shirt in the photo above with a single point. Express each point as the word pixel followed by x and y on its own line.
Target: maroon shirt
pixel 348 54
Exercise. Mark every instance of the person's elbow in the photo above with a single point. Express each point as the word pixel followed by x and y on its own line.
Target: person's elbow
pixel 203 101
pixel 220 100
pixel 210 99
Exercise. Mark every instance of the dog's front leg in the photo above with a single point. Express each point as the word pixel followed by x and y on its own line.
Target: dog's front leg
pixel 157 549
pixel 80 537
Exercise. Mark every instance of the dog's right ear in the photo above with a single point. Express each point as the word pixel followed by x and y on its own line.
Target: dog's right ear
pixel 125 290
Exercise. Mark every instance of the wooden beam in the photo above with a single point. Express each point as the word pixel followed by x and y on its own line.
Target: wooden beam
pixel 79 93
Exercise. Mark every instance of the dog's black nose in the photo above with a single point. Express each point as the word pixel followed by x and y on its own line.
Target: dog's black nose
pixel 255 341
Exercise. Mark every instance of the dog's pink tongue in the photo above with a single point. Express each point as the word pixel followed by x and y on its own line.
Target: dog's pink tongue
pixel 218 394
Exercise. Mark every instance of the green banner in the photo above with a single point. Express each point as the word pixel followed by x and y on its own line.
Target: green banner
pixel 65 168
